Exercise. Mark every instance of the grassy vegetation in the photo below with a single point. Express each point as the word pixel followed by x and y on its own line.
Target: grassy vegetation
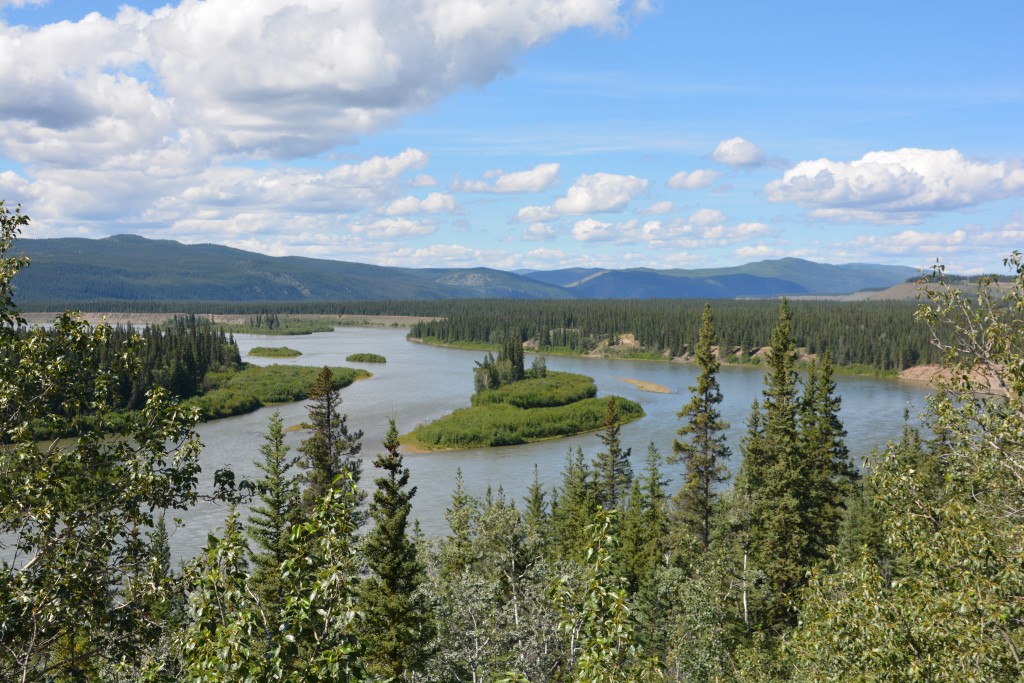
pixel 275 352
pixel 561 404
pixel 366 358
pixel 235 393
pixel 556 389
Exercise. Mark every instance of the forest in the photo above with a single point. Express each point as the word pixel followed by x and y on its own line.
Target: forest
pixel 877 335
pixel 799 569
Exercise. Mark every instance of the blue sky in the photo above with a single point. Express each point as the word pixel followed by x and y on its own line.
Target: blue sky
pixel 535 134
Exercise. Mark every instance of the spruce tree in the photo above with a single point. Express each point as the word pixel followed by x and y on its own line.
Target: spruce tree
pixel 612 471
pixel 331 448
pixel 572 508
pixel 396 628
pixel 703 448
pixel 829 471
pixel 271 519
pixel 773 483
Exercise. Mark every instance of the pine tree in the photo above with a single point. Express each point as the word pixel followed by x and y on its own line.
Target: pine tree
pixel 271 520
pixel 703 449
pixel 613 473
pixel 397 627
pixel 331 448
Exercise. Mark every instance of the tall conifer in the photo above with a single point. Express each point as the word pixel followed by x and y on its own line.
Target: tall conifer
pixel 396 627
pixel 702 449
pixel 612 471
pixel 331 448
pixel 271 519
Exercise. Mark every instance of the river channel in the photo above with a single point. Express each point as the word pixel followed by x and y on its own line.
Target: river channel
pixel 420 383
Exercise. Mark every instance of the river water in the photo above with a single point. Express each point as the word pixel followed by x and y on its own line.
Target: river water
pixel 420 383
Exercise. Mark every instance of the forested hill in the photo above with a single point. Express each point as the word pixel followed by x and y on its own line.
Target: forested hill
pixel 132 268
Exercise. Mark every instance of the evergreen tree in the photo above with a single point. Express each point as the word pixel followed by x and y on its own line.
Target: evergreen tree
pixel 331 449
pixel 703 449
pixel 645 523
pixel 572 508
pixel 271 520
pixel 830 473
pixel 773 481
pixel 612 471
pixel 397 627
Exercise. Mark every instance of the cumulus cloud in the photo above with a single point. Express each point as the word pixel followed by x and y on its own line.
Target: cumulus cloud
pixel 591 230
pixel 541 177
pixel 738 152
pixel 423 180
pixel 131 108
pixel 694 180
pixel 898 186
pixel 539 232
pixel 657 209
pixel 706 217
pixel 433 203
pixel 596 193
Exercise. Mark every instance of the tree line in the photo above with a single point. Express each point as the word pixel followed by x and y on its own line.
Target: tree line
pixel 799 570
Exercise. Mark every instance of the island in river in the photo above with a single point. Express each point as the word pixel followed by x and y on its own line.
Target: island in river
pixel 552 406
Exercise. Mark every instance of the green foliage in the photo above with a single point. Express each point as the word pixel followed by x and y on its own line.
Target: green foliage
pixel 330 449
pixel 238 392
pixel 703 449
pixel 75 556
pixel 366 358
pixel 611 470
pixel 941 601
pixel 271 519
pixel 275 352
pixel 505 425
pixel 596 618
pixel 551 390
pixel 879 336
pixel 307 633
pixel 397 626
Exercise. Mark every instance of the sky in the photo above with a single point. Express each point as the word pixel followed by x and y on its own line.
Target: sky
pixel 523 134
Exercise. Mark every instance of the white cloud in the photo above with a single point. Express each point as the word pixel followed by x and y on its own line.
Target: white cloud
pixel 738 152
pixel 116 118
pixel 600 192
pixel 706 217
pixel 596 193
pixel 590 230
pixel 536 214
pixel 539 232
pixel 657 209
pixel 896 186
pixel 759 251
pixel 423 180
pixel 394 227
pixel 434 202
pixel 694 180
pixel 541 177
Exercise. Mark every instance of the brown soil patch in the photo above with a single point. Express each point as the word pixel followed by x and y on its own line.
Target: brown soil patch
pixel 646 386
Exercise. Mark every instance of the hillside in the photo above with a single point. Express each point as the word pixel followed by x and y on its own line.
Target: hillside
pixel 132 268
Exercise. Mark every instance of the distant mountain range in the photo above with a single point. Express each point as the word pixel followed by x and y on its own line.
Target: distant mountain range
pixel 132 268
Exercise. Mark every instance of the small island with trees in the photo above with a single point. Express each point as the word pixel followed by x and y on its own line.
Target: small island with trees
pixel 366 358
pixel 274 352
pixel 513 405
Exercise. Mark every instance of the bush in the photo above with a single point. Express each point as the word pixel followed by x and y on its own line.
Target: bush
pixel 366 358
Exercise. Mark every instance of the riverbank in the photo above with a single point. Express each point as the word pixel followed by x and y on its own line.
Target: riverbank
pixel 735 358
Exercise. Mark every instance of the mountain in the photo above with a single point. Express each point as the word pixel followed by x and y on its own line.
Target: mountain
pixel 132 268
pixel 127 267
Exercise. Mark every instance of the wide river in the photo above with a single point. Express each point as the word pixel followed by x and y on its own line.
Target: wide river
pixel 420 383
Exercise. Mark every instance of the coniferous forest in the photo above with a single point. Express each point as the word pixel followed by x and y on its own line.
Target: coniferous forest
pixel 801 568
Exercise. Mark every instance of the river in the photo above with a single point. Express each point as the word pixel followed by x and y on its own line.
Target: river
pixel 420 383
